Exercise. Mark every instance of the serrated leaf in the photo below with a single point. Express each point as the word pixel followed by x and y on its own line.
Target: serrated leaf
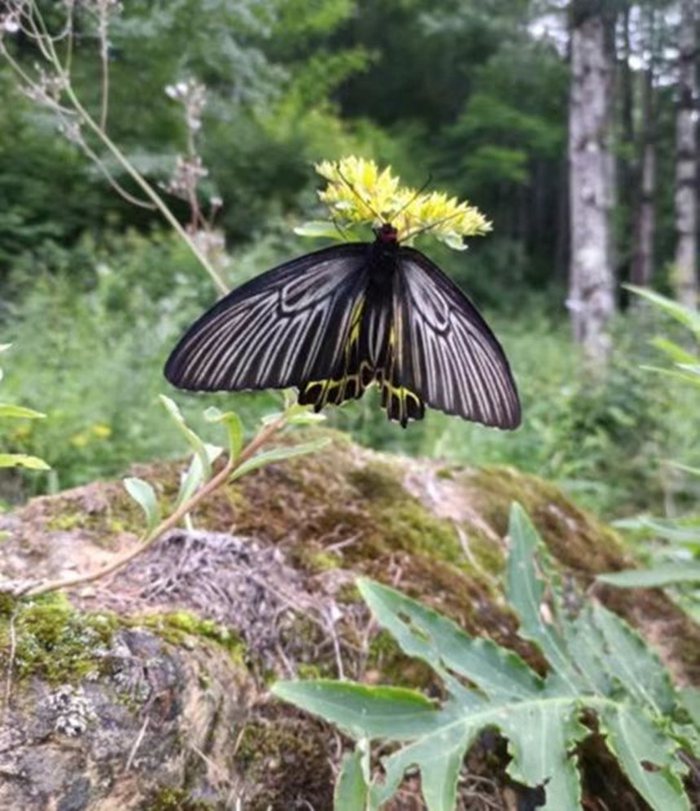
pixel 634 664
pixel 647 756
pixel 234 428
pixel 145 496
pixel 193 440
pixel 20 412
pixel 690 699
pixel 667 574
pixel 278 455
pixel 23 460
pixel 351 790
pixel 525 591
pixel 423 633
pixel 364 711
pixel 613 675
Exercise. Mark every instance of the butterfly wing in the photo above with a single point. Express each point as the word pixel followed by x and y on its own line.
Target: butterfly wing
pixel 445 353
pixel 283 328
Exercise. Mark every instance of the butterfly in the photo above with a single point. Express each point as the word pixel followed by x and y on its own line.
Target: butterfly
pixel 339 319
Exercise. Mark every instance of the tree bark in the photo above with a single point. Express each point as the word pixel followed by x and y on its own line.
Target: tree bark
pixel 686 198
pixel 645 216
pixel 591 298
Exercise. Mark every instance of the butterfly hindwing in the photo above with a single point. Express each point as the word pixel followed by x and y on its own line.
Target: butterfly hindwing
pixel 284 328
pixel 445 352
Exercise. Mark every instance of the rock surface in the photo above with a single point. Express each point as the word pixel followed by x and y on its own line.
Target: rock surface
pixel 148 690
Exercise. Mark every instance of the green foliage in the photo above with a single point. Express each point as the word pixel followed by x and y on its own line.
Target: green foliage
pixel 597 667
pixel 8 411
pixel 676 560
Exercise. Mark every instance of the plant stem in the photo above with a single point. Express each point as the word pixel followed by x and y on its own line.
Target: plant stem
pixel 172 520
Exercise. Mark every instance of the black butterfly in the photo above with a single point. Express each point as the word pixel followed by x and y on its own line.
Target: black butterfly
pixel 336 320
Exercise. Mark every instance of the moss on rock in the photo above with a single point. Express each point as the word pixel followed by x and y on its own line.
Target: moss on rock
pixel 55 642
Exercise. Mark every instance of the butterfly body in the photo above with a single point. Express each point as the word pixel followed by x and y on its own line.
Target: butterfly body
pixel 339 319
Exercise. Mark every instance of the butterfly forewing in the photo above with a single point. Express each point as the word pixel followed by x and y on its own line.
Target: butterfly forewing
pixel 445 351
pixel 283 328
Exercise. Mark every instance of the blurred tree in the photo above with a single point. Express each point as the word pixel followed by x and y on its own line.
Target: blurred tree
pixel 686 201
pixel 591 282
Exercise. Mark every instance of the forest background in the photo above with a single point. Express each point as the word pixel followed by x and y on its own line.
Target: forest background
pixel 571 125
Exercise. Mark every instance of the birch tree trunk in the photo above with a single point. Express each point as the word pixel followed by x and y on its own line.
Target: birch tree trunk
pixel 686 200
pixel 591 300
pixel 645 216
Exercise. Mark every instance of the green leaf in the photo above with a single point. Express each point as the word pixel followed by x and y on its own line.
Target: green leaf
pixel 234 428
pixel 278 455
pixel 684 315
pixel 145 496
pixel 19 412
pixel 196 475
pixel 364 711
pixel 423 633
pixel 601 667
pixel 668 574
pixel 690 699
pixel 453 241
pixel 193 440
pixel 351 790
pixel 525 592
pixel 647 756
pixel 674 351
pixel 22 460
pixel 318 228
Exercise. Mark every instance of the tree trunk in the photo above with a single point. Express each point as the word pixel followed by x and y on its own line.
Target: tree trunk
pixel 645 216
pixel 686 200
pixel 591 298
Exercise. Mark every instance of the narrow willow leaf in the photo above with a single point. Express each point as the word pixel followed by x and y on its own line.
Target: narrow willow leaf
pixel 317 228
pixel 195 476
pixel 351 790
pixel 647 756
pixel 234 428
pixel 694 471
pixel 19 412
pixel 23 460
pixel 145 496
pixel 278 455
pixel 668 574
pixel 669 530
pixel 674 351
pixel 193 440
pixel 684 315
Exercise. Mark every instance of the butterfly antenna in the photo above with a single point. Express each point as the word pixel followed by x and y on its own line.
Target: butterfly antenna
pixel 339 228
pixel 414 197
pixel 359 196
pixel 430 227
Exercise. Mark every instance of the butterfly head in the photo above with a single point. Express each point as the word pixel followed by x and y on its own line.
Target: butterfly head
pixel 386 234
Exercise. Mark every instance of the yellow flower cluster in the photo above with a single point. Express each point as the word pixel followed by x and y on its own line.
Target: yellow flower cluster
pixel 359 193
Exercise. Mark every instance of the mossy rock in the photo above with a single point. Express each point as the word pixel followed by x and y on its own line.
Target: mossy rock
pixel 265 588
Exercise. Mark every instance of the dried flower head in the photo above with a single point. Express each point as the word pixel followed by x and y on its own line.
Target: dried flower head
pixel 358 193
